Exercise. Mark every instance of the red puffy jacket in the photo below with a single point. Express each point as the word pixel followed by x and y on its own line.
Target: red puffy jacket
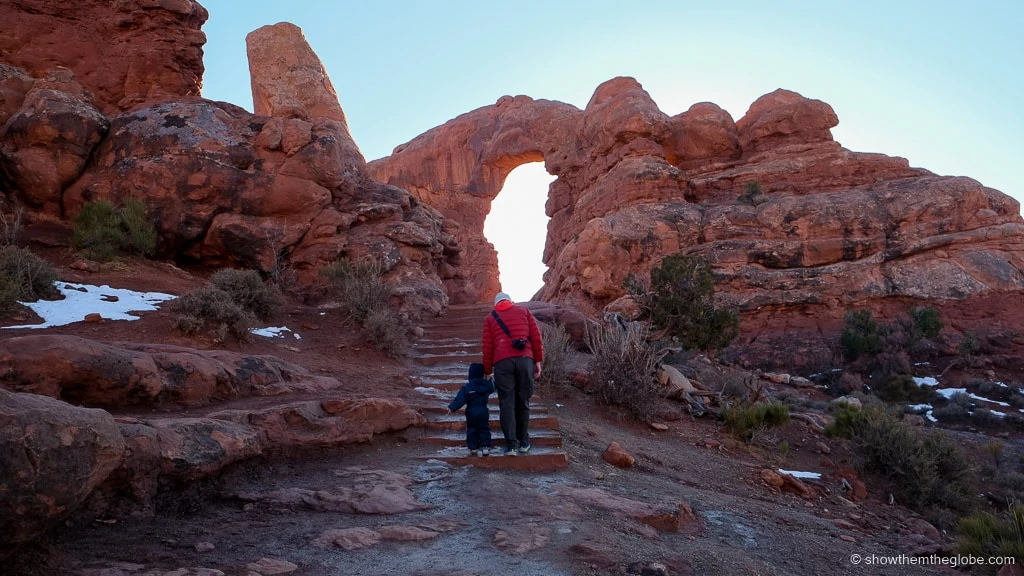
pixel 521 324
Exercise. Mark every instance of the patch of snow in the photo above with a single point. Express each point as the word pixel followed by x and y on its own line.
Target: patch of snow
pixel 431 392
pixel 920 407
pixel 1001 384
pixel 323 313
pixel 926 381
pixel 802 475
pixel 922 364
pixel 832 371
pixel 271 332
pixel 559 405
pixel 82 299
pixel 998 413
pixel 297 337
pixel 948 393
pixel 976 397
pixel 930 417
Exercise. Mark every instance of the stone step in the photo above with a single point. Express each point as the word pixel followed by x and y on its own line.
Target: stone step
pixel 452 360
pixel 492 405
pixel 431 350
pixel 539 459
pixel 539 438
pixel 458 422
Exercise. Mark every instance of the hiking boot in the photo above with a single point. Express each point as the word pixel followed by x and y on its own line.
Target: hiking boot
pixel 472 452
pixel 485 452
pixel 509 451
pixel 525 448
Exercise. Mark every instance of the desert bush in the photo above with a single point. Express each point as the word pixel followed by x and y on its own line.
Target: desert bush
pixel 986 534
pixel 247 290
pixel 23 277
pixel 959 406
pixel 968 346
pixel 358 286
pixel 924 323
pixel 100 230
pixel 557 355
pixel 860 335
pixel 901 388
pixel 139 233
pixel 680 301
pixel 624 368
pixel 846 421
pixel 798 401
pixel 752 195
pixel 210 307
pixel 929 472
pixel 745 421
pixel 385 332
pixel 10 226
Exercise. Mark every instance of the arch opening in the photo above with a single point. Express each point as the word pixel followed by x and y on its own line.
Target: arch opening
pixel 517 226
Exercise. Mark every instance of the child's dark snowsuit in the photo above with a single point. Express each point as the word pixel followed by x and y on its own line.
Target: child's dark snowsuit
pixel 473 395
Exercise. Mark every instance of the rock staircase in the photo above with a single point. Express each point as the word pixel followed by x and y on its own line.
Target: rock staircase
pixel 444 353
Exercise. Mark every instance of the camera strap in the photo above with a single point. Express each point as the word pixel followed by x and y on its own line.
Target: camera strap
pixel 502 324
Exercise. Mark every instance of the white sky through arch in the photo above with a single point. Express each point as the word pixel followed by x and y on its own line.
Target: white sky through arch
pixel 517 227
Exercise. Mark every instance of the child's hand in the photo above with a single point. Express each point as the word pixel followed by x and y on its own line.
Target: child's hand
pixel 449 410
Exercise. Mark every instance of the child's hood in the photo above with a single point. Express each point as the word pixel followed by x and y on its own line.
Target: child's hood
pixel 481 385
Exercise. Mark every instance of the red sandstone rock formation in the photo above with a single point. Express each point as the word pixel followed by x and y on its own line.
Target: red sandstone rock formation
pixel 836 229
pixel 123 53
pixel 54 455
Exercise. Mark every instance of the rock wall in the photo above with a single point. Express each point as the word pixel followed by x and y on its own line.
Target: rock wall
pixel 832 229
pixel 123 53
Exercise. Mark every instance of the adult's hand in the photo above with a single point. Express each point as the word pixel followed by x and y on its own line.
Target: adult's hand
pixel 536 370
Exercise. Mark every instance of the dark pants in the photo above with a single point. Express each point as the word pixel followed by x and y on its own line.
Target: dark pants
pixel 478 427
pixel 513 377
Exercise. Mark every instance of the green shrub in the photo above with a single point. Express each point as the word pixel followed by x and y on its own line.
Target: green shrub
pixel 847 420
pixel 10 226
pixel 752 194
pixel 986 535
pixel 969 346
pixel 924 322
pixel 359 287
pixel 248 291
pixel 929 472
pixel 624 369
pixel 681 301
pixel 901 388
pixel 23 277
pixel 97 231
pixel 100 230
pixel 140 235
pixel 860 335
pixel 745 421
pixel 212 308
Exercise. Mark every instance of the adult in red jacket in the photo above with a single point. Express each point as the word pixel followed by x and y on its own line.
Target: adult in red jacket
pixel 514 353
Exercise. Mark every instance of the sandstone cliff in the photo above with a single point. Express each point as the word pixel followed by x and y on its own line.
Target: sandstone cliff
pixel 833 229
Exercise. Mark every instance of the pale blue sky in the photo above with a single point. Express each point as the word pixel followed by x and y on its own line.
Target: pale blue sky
pixel 939 83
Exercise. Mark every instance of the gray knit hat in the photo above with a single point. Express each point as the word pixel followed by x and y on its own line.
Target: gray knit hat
pixel 501 296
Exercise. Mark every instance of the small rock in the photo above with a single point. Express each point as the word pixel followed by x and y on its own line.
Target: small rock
pixel 840 523
pixel 800 382
pixel 591 432
pixel 648 569
pixel 822 448
pixel 205 547
pixel 772 478
pixel 85 266
pixel 417 331
pixel 616 456
pixel 406 533
pixel 522 538
pixel 348 538
pixel 848 400
pixel 310 326
pixel 93 318
pixel 271 567
pixel 659 426
pixel 914 419
pixel 847 538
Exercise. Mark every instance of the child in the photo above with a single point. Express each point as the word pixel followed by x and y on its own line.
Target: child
pixel 473 395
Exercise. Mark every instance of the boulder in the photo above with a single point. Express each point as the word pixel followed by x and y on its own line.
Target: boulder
pixel 91 373
pixel 52 456
pixel 45 145
pixel 616 456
